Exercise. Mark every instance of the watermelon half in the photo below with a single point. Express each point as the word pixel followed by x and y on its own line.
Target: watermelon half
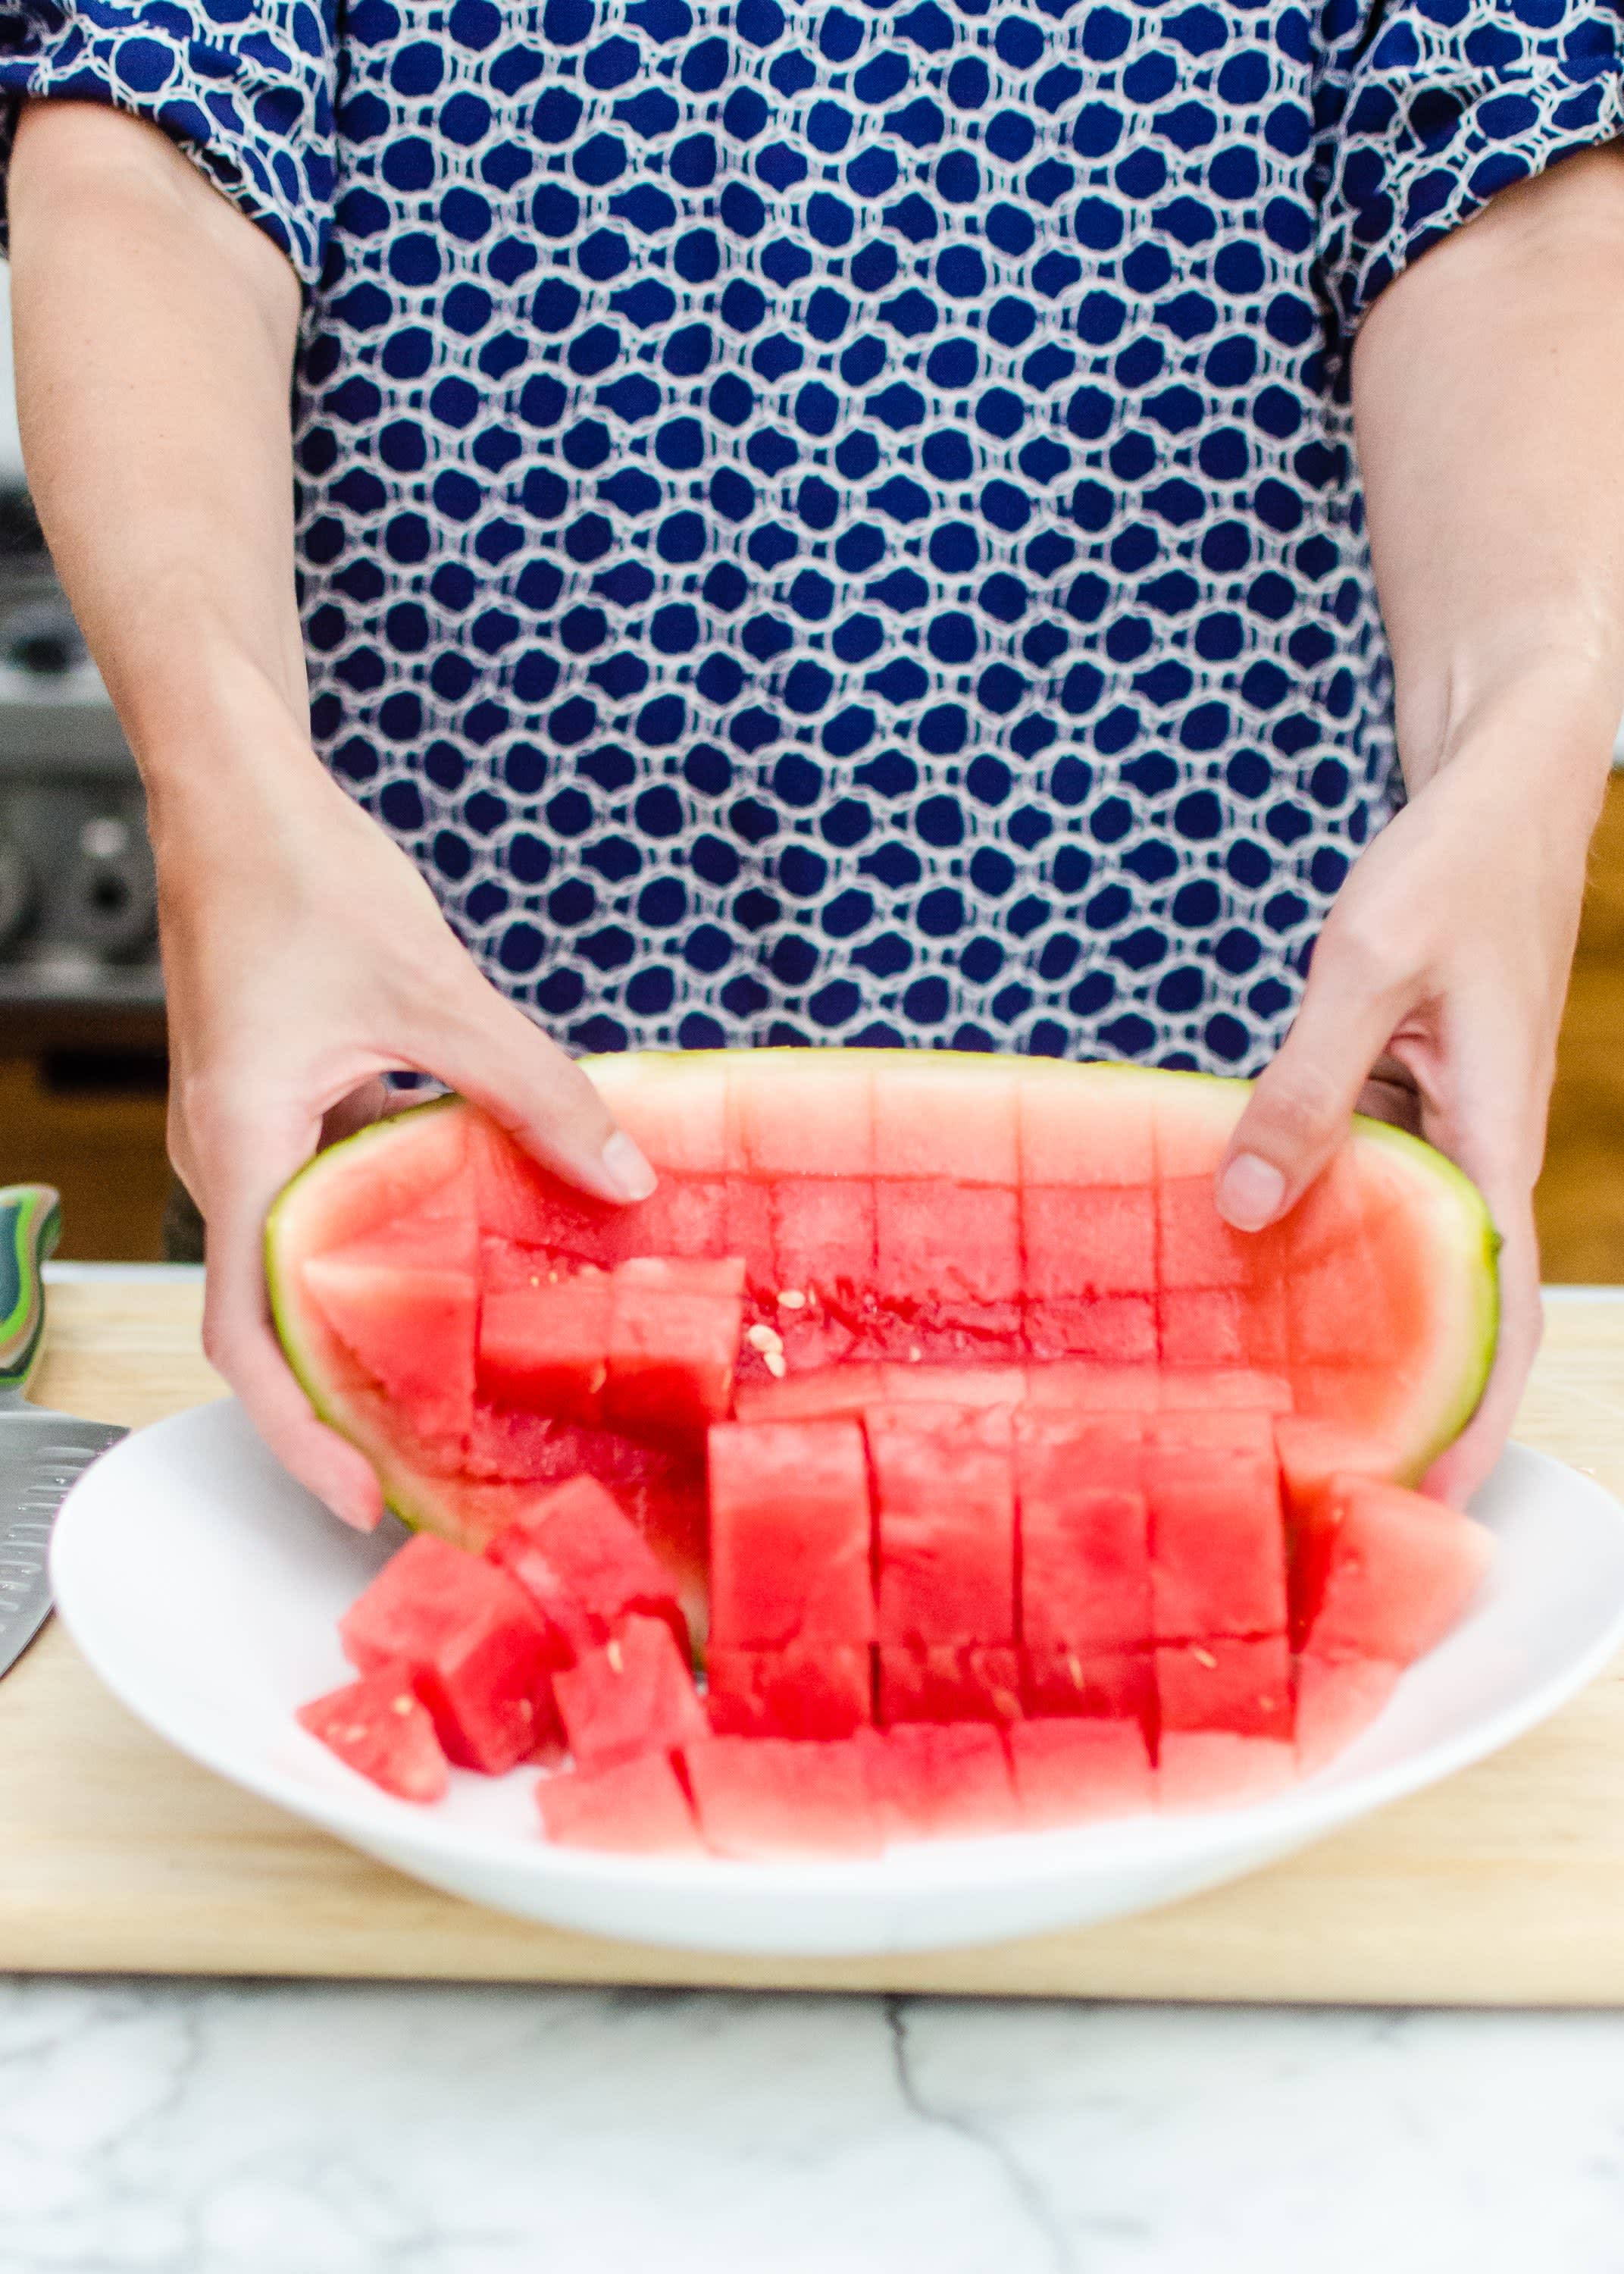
pixel 927 1218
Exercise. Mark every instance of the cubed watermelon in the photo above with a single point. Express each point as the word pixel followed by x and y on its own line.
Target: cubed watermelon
pixel 1226 1683
pixel 1078 1772
pixel 760 1798
pixel 823 1234
pixel 942 1780
pixel 1197 1246
pixel 1210 1327
pixel 1100 1685
pixel 635 1694
pixel 1062 1143
pixel 411 1325
pixel 805 1690
pixel 789 1534
pixel 1083 1532
pixel 1115 1330
pixel 1337 1700
pixel 929 1123
pixel 546 1347
pixel 1079 1386
pixel 948 1682
pixel 1217 1768
pixel 1087 1240
pixel 794 1115
pixel 381 1728
pixel 1382 1572
pixel 585 1566
pixel 480 1657
pixel 953 1247
pixel 673 1342
pixel 945 1523
pixel 634 1807
pixel 1217 1540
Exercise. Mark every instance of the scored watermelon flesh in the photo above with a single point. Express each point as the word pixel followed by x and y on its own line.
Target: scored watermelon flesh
pixel 1070 1771
pixel 632 1694
pixel 585 1567
pixel 790 1529
pixel 805 1690
pixel 634 1807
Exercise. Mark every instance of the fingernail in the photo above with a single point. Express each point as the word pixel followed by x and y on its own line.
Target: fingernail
pixel 1250 1191
pixel 627 1169
pixel 361 1514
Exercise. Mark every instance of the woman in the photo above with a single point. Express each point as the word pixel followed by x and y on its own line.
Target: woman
pixel 833 524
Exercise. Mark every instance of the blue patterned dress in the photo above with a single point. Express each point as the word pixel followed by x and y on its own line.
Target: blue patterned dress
pixel 837 521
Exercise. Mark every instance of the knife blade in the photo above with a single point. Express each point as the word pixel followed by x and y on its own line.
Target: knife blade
pixel 43 1455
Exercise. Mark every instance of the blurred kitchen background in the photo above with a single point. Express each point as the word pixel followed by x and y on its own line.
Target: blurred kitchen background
pixel 82 1062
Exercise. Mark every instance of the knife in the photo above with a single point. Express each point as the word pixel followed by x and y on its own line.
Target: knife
pixel 40 1454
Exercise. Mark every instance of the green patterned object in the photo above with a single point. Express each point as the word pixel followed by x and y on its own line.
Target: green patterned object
pixel 30 1222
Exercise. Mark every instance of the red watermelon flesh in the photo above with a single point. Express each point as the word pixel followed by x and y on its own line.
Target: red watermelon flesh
pixel 945 1523
pixel 761 1799
pixel 635 1694
pixel 546 1346
pixel 822 1236
pixel 479 1656
pixel 1079 1772
pixel 404 1303
pixel 1336 1699
pixel 585 1567
pixel 673 1342
pixel 941 1780
pixel 1219 1768
pixel 1088 1240
pixel 1226 1683
pixel 634 1807
pixel 790 1528
pixel 380 1727
pixel 805 1690
pixel 948 1682
pixel 1100 1685
pixel 1084 1533
pixel 1217 1542
pixel 1382 1572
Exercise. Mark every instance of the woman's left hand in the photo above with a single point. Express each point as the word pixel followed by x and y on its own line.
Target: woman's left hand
pixel 1433 1000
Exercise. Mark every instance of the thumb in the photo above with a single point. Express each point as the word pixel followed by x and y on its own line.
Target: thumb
pixel 1301 1105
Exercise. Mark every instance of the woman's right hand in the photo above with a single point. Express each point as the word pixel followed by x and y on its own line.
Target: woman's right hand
pixel 305 956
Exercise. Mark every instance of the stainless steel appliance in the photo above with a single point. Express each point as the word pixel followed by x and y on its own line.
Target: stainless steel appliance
pixel 79 956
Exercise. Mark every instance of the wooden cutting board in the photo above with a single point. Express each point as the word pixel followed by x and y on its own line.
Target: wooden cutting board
pixel 1503 1886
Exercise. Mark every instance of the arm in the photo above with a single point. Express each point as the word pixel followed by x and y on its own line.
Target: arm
pixel 1485 388
pixel 303 953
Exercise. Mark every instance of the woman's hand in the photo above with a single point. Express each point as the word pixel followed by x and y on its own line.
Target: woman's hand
pixel 304 956
pixel 1433 1000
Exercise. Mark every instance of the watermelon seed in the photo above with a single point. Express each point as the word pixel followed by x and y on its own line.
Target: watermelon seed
pixel 403 1704
pixel 774 1362
pixel 615 1656
pixel 763 1339
pixel 791 1298
pixel 1203 1656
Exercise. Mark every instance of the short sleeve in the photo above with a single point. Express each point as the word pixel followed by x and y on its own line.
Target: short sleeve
pixel 245 86
pixel 1426 108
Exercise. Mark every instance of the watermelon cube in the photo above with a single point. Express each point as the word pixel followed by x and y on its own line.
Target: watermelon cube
pixel 672 1106
pixel 1337 1700
pixel 936 1117
pixel 585 1567
pixel 1099 1686
pixel 1382 1572
pixel 942 1780
pixel 824 1393
pixel 1222 1390
pixel 1078 1386
pixel 1224 1326
pixel 761 1799
pixel 546 1346
pixel 1199 1769
pixel 956 1246
pixel 1217 1541
pixel 635 1694
pixel 1080 1771
pixel 634 1807
pixel 380 1727
pixel 1117 1330
pixel 516 1199
pixel 948 1682
pixel 805 1690
pixel 1225 1684
pixel 748 1228
pixel 1085 1240
pixel 945 1523
pixel 1197 1247
pixel 1312 1452
pixel 789 1534
pixel 479 1656
pixel 792 1115
pixel 1084 1533
pixel 682 1216
pixel 673 1343
pixel 1068 1138
pixel 823 1234
pixel 412 1326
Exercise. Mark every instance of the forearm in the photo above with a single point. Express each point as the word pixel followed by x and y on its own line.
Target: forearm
pixel 1485 388
pixel 155 328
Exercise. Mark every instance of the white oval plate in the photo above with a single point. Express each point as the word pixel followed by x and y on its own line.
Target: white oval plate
pixel 204 1585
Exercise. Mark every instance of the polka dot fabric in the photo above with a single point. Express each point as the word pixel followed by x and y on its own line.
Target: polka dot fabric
pixel 838 523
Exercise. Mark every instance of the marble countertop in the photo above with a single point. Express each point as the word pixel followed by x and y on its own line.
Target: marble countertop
pixel 280 2129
